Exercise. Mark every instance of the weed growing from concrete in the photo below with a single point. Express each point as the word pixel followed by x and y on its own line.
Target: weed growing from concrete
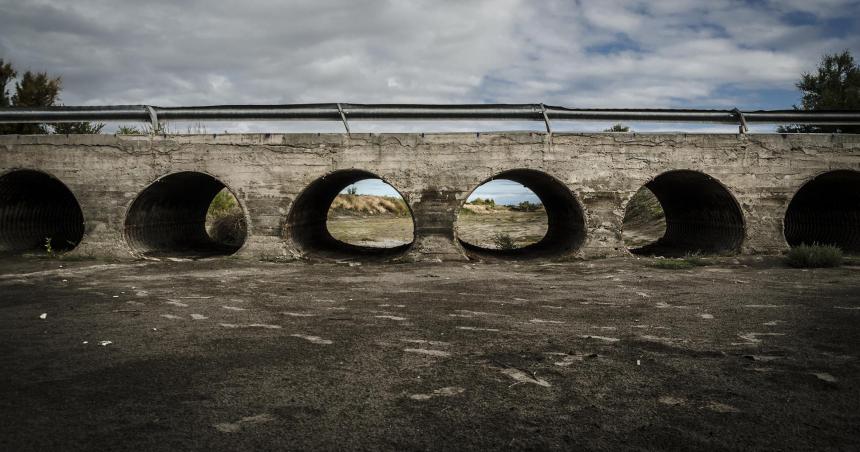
pixel 49 249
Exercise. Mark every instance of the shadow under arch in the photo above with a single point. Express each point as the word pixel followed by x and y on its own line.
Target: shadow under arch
pixel 38 212
pixel 566 226
pixel 701 215
pixel 168 217
pixel 307 220
pixel 826 211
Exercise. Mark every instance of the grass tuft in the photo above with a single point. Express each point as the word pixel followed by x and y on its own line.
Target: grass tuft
pixel 504 241
pixel 814 256
pixel 687 262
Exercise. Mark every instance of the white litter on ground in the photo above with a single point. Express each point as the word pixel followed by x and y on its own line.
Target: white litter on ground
pixel 391 317
pixel 752 338
pixel 824 376
pixel 297 314
pixel 601 338
pixel 264 325
pixel 441 392
pixel 423 341
pixel 313 339
pixel 523 377
pixel 234 427
pixel 474 328
pixel 424 351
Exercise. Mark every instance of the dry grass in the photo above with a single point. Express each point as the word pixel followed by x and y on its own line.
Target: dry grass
pixel 481 229
pixel 369 205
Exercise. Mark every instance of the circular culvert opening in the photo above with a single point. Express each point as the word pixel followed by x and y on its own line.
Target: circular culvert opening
pixel 826 211
pixel 683 212
pixel 351 212
pixel 521 213
pixel 186 214
pixel 38 213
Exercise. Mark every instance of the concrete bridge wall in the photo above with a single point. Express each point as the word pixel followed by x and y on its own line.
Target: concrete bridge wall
pixel 585 180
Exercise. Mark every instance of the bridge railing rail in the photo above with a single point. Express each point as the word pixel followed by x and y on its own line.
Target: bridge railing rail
pixel 400 112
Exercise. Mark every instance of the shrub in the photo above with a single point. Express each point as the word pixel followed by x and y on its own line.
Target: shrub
pixel 618 128
pixel 229 229
pixel 814 256
pixel 503 241
pixel 485 202
pixel 128 130
pixel 643 207
pixel 223 204
pixel 527 206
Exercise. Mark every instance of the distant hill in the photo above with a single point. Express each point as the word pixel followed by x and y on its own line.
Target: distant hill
pixel 344 205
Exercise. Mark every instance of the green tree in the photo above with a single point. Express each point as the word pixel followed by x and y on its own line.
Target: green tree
pixel 7 74
pixel 36 90
pixel 71 128
pixel 835 86
pixel 618 128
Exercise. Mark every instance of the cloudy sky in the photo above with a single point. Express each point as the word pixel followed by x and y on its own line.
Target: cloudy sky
pixel 669 53
pixel 657 53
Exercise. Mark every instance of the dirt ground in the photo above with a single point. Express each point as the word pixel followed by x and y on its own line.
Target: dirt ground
pixel 225 354
pixel 389 231
pixel 524 228
pixel 378 231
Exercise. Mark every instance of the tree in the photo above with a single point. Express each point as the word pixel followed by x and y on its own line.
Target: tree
pixel 835 86
pixel 618 128
pixel 72 128
pixel 36 90
pixel 7 74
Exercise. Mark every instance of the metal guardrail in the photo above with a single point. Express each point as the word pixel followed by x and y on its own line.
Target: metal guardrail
pixel 346 112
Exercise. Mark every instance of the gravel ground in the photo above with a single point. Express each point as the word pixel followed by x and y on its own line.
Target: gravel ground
pixel 224 354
